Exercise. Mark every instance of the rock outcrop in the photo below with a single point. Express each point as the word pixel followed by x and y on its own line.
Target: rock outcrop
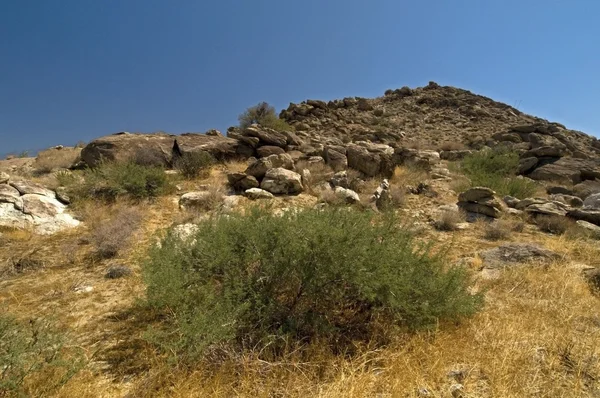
pixel 480 201
pixel 25 204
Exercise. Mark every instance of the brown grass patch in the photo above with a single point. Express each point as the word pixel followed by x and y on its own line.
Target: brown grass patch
pixel 52 159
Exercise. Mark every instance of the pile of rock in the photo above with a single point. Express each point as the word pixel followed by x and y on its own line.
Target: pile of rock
pixel 24 204
pixel 480 202
pixel 274 174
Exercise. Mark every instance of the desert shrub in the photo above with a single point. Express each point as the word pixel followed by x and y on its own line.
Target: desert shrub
pixel 331 275
pixel 111 180
pixel 52 159
pixel 320 173
pixel 498 230
pixel 194 164
pixel 554 224
pixel 111 235
pixel 452 146
pixel 448 220
pixel 33 358
pixel 263 114
pixel 496 169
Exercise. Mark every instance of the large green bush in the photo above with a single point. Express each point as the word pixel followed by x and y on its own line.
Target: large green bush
pixel 263 114
pixel 33 357
pixel 111 180
pixel 332 275
pixel 497 169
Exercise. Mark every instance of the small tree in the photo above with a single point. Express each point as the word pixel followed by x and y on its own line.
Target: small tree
pixel 263 114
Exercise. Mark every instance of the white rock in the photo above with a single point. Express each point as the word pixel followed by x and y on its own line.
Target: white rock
pixel 257 193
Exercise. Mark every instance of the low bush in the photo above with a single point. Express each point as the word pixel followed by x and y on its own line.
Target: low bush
pixel 33 358
pixel 263 114
pixel 554 224
pixel 109 181
pixel 52 159
pixel 497 169
pixel 498 230
pixel 111 235
pixel 332 275
pixel 194 164
pixel 448 220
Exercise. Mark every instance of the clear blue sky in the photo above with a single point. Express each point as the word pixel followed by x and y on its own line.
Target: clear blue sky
pixel 74 70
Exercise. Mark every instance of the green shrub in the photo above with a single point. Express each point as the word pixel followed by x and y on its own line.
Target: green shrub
pixel 194 164
pixel 497 169
pixel 332 275
pixel 111 180
pixel 263 114
pixel 33 357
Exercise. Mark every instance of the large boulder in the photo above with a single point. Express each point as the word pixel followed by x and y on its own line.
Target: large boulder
pixel 569 170
pixel 347 195
pixel 516 253
pixel 257 193
pixel 266 136
pixel 335 157
pixel 586 188
pixel 592 202
pixel 10 194
pixel 160 148
pixel 269 150
pixel 27 187
pixel 480 201
pixel 241 181
pixel 475 194
pixel 259 168
pixel 282 181
pixel 126 146
pixel 371 159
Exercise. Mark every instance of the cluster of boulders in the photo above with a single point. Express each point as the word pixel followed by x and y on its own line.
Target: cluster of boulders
pixel 550 152
pixel 274 174
pixel 481 202
pixel 24 204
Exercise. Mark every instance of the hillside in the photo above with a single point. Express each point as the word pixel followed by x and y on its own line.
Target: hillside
pixel 427 243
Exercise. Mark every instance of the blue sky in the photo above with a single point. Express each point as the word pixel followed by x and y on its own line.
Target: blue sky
pixel 74 70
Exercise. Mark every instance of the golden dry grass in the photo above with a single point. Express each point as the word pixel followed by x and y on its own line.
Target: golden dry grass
pixel 52 159
pixel 536 337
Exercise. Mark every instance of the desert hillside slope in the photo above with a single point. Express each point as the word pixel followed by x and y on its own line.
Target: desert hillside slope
pixel 427 243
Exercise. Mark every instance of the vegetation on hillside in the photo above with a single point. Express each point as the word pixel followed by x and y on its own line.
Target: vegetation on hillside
pixel 263 114
pixel 334 275
pixel 497 169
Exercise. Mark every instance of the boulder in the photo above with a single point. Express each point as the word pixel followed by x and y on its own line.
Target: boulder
pixel 268 150
pixel 4 177
pixel 340 179
pixel 527 164
pixel 548 208
pixel 371 159
pixel 592 202
pixel 589 215
pixel 27 187
pixel 335 157
pixel 475 194
pixel 511 201
pixel 259 168
pixel 125 146
pixel 10 194
pixel 420 158
pixel 490 209
pixel 282 181
pixel 569 200
pixel 161 148
pixel 558 190
pixel 593 229
pixel 267 136
pixel 282 160
pixel 348 195
pixel 569 170
pixel 257 193
pixel 515 253
pixel 586 188
pixel 194 199
pixel 241 181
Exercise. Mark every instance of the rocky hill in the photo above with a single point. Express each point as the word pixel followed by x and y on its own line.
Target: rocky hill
pixel 115 258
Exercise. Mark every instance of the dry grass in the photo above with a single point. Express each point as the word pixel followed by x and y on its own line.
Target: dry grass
pixel 320 173
pixel 110 236
pixel 536 337
pixel 448 220
pixel 52 159
pixel 554 224
pixel 498 230
pixel 408 176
